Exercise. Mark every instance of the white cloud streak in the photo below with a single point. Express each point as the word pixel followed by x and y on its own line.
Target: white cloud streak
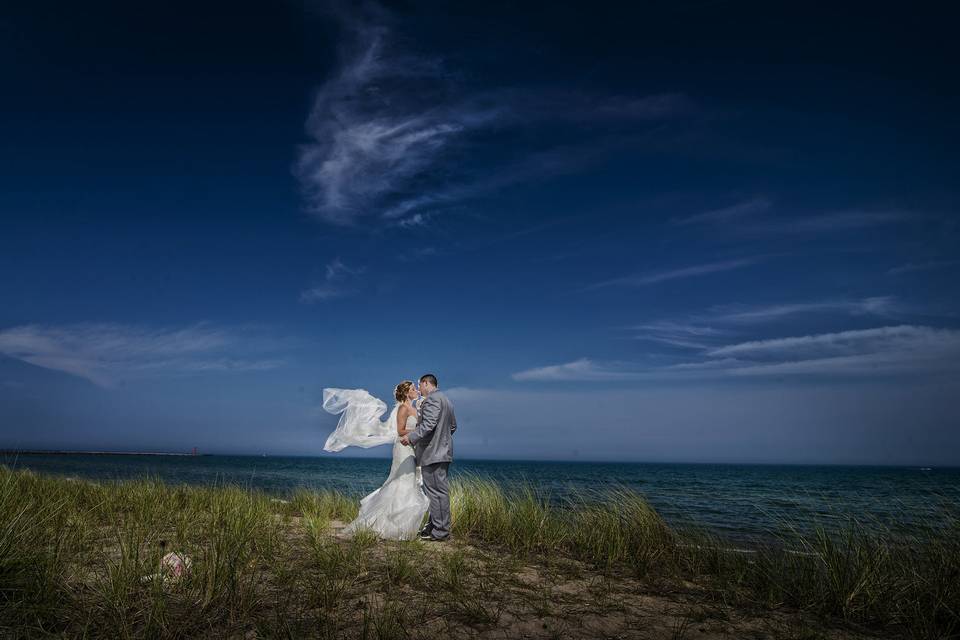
pixel 737 211
pixel 107 353
pixel 930 265
pixel 841 342
pixel 678 334
pixel 881 351
pixel 655 277
pixel 705 331
pixel 751 218
pixel 742 314
pixel 583 369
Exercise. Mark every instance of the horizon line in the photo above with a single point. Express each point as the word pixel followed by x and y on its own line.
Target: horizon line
pixel 65 452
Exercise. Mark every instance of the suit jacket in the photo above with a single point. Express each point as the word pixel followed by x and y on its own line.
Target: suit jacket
pixel 432 439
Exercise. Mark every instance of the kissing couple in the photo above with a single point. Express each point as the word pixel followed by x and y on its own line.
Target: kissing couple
pixel 420 427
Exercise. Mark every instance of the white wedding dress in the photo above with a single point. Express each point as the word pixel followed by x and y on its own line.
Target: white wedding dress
pixel 396 509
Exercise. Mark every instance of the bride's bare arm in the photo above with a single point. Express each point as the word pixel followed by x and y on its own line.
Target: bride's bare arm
pixel 402 415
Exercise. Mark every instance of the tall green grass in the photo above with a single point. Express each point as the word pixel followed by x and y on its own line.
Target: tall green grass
pixel 73 556
pixel 605 528
pixel 860 575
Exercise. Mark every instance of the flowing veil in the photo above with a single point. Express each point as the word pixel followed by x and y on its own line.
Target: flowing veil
pixel 360 424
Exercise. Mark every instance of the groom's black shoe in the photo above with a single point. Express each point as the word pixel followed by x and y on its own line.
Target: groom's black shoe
pixel 425 531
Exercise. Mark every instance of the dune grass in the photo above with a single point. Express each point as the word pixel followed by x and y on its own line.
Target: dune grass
pixel 860 575
pixel 75 556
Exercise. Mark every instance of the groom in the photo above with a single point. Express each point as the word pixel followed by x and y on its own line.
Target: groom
pixel 432 440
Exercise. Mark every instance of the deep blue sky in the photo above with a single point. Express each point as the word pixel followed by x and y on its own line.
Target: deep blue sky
pixel 697 231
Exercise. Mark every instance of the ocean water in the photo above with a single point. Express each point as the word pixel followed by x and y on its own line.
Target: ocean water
pixel 740 502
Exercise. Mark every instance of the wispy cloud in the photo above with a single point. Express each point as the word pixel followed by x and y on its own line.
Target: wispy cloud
pixel 879 351
pixel 382 124
pixel 882 351
pixel 678 334
pixel 107 353
pixel 930 265
pixel 736 211
pixel 583 369
pixel 752 314
pixel 655 277
pixel 754 217
pixel 378 121
pixel 339 281
pixel 709 329
pixel 416 220
pixel 838 343
pixel 533 166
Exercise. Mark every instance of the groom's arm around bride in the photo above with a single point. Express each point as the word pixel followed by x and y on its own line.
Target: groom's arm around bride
pixel 436 424
pixel 428 419
pixel 432 437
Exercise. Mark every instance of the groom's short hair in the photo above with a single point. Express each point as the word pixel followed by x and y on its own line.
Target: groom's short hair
pixel 429 377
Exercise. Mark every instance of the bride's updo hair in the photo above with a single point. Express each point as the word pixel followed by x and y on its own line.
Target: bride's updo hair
pixel 400 393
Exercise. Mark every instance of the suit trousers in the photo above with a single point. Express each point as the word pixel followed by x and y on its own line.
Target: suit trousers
pixel 438 492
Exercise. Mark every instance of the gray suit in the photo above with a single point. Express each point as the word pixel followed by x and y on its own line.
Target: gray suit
pixel 432 442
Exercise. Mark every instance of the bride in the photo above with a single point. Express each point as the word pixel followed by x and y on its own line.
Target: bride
pixel 395 510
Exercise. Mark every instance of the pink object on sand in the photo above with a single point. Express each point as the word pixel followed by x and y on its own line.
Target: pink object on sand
pixel 175 565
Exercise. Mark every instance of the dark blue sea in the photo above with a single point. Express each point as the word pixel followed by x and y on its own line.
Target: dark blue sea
pixel 739 502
